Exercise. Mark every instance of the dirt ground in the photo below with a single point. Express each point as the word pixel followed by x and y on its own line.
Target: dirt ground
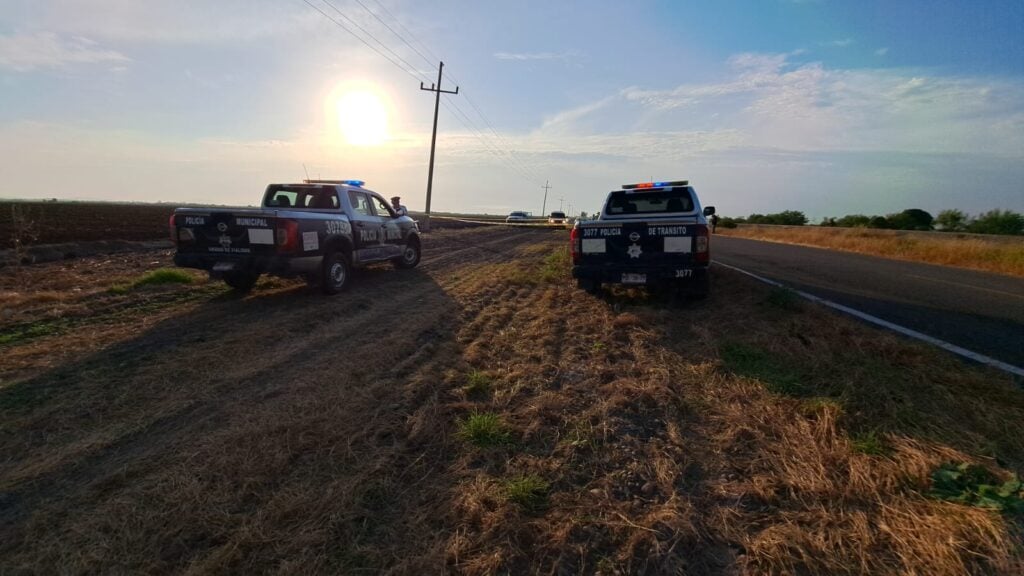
pixel 183 429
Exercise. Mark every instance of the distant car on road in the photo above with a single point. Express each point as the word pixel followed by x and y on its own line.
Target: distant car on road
pixel 557 218
pixel 517 217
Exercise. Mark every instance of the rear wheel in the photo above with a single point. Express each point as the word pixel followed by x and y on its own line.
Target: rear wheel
pixel 410 255
pixel 591 286
pixel 701 287
pixel 241 281
pixel 336 272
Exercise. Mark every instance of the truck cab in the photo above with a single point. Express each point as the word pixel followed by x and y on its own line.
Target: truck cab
pixel 650 233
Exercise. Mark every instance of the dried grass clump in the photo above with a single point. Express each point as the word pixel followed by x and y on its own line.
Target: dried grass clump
pixel 646 441
pixel 995 255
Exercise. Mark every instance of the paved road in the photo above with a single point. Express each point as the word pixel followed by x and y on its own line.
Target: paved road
pixel 979 311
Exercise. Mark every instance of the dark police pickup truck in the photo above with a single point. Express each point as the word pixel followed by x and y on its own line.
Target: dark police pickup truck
pixel 318 230
pixel 652 233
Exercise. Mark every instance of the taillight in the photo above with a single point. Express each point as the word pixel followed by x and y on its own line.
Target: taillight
pixel 173 229
pixel 701 244
pixel 574 243
pixel 287 235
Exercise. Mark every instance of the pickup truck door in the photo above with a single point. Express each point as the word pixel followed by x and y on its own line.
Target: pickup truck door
pixel 366 228
pixel 390 232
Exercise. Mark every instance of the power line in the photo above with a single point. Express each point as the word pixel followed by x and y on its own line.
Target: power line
pixel 358 37
pixel 466 121
pixel 400 37
pixel 501 141
pixel 433 58
pixel 370 34
pixel 497 148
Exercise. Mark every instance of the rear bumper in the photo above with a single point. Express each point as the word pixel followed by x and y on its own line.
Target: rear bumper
pixel 613 274
pixel 275 264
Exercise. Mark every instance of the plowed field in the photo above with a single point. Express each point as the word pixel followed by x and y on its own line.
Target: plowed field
pixel 479 415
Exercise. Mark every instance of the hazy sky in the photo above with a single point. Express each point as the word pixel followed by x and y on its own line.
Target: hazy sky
pixel 824 106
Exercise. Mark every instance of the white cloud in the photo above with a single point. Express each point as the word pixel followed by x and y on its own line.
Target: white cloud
pixel 841 43
pixel 174 21
pixel 525 56
pixel 23 52
pixel 809 107
pixel 881 51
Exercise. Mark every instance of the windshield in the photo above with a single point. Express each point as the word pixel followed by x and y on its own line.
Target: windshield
pixel 301 196
pixel 662 202
pixel 558 214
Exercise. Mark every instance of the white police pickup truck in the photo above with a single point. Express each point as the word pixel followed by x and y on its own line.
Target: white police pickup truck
pixel 653 233
pixel 318 230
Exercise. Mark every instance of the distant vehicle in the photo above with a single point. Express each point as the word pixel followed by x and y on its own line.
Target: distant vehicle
pixel 652 233
pixel 557 218
pixel 318 230
pixel 517 217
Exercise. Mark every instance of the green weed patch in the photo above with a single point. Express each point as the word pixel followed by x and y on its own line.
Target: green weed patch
pixel 158 277
pixel 484 429
pixel 744 360
pixel 530 492
pixel 973 485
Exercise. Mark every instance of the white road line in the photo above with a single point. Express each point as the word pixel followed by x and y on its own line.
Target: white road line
pixel 1016 371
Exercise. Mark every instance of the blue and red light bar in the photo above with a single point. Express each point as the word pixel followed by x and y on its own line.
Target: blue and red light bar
pixel 643 185
pixel 346 182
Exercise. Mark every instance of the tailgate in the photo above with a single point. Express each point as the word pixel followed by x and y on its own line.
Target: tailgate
pixel 236 232
pixel 638 244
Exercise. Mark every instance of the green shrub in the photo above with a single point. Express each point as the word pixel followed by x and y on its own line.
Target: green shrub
pixel 530 492
pixel 484 429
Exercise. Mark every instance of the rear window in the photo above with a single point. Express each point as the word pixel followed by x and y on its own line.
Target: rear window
pixel 662 202
pixel 301 197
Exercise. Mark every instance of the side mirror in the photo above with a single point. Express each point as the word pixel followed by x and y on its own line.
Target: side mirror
pixel 709 210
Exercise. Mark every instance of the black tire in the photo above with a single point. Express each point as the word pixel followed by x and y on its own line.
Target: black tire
pixel 700 288
pixel 590 286
pixel 336 273
pixel 241 281
pixel 410 255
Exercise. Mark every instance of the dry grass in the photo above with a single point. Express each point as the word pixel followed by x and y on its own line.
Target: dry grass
pixel 715 438
pixel 996 255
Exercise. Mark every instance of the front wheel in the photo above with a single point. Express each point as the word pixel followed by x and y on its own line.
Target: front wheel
pixel 336 273
pixel 410 255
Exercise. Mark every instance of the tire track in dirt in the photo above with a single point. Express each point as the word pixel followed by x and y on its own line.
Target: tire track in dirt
pixel 356 318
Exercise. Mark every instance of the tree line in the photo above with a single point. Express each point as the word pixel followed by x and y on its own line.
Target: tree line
pixel 991 222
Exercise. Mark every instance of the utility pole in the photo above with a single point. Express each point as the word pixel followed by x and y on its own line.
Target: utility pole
pixel 433 138
pixel 560 200
pixel 544 207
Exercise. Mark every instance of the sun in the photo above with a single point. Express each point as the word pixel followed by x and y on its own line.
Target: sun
pixel 362 118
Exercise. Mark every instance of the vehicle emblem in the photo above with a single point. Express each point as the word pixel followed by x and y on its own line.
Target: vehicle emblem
pixel 634 251
pixel 222 226
pixel 634 236
pixel 225 241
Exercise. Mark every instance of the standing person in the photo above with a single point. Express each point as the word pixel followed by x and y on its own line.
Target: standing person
pixel 397 205
pixel 714 222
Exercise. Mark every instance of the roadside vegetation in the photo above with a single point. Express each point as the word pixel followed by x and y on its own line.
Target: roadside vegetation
pixel 480 415
pixel 999 222
pixel 1004 256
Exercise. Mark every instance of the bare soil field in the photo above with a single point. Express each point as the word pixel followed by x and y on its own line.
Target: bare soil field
pixel 32 223
pixel 479 415
pixel 990 253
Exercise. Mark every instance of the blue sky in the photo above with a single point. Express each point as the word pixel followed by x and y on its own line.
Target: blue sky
pixel 822 106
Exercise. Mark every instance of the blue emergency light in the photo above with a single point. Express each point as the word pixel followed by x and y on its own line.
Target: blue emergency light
pixel 358 183
pixel 646 185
